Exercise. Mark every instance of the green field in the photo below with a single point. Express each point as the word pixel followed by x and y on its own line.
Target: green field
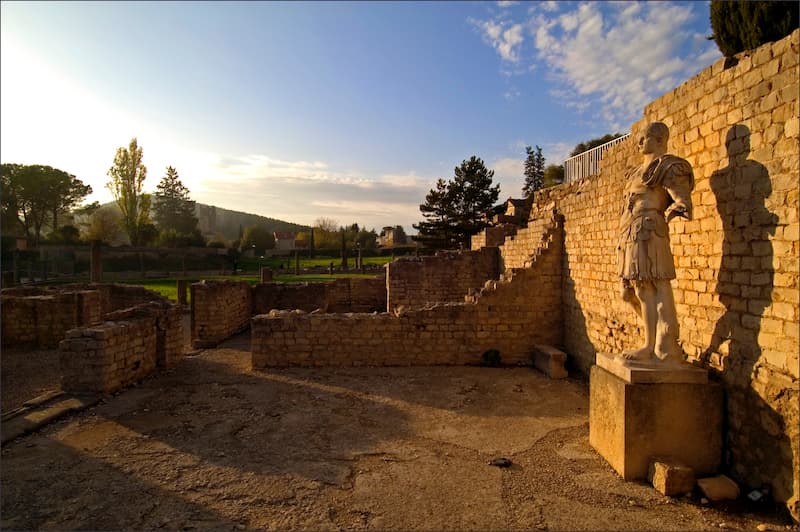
pixel 168 287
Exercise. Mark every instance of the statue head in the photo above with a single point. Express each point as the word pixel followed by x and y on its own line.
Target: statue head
pixel 654 139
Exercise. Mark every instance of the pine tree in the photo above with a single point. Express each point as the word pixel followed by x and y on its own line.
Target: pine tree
pixel 172 207
pixel 457 209
pixel 534 171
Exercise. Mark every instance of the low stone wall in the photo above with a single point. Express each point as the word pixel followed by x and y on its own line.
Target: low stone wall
pixel 511 315
pixel 415 282
pixel 304 296
pixel 41 318
pixel 219 310
pixel 356 295
pixel 118 352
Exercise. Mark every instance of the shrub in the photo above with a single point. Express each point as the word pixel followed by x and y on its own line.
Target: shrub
pixel 740 26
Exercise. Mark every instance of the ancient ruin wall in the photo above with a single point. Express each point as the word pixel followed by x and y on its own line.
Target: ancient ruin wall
pixel 303 296
pixel 118 352
pixel 493 236
pixel 509 315
pixel 219 310
pixel 445 277
pixel 737 260
pixel 41 318
pixel 356 295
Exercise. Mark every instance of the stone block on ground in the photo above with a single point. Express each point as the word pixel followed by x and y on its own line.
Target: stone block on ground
pixel 549 361
pixel 718 488
pixel 670 477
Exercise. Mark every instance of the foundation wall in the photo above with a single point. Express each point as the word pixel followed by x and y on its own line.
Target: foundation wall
pixel 737 260
pixel 42 320
pixel 118 352
pixel 446 277
pixel 356 295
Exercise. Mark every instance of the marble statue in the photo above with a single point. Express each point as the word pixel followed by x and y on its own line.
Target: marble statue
pixel 657 191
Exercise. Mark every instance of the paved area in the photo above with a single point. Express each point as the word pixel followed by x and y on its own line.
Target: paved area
pixel 212 445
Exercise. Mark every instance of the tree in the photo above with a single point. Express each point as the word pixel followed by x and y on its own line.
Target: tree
pixel 589 144
pixel 457 209
pixel 534 171
pixel 34 193
pixel 399 235
pixel 740 26
pixel 127 179
pixel 104 225
pixel 258 238
pixel 553 175
pixel 172 207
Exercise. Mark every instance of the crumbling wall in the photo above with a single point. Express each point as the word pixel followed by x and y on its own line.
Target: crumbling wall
pixel 414 282
pixel 510 315
pixel 122 350
pixel 220 308
pixel 493 236
pixel 303 296
pixel 737 261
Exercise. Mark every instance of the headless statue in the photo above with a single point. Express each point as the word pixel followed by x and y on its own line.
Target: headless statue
pixel 655 193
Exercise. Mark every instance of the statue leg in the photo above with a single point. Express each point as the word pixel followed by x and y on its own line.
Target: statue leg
pixel 647 294
pixel 667 346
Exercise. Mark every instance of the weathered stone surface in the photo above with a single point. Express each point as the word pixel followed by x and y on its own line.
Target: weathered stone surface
pixel 661 373
pixel 718 488
pixel 629 424
pixel 670 477
pixel 550 361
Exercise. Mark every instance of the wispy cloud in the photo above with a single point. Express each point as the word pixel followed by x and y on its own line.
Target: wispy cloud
pixel 503 37
pixel 607 59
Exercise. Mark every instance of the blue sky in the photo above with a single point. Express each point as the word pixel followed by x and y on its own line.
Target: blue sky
pixel 343 110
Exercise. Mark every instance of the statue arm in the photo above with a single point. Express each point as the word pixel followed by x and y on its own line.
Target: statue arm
pixel 679 183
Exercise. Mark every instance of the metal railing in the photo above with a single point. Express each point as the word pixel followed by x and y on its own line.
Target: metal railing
pixel 588 163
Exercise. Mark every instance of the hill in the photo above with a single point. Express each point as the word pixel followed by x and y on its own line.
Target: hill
pixel 216 221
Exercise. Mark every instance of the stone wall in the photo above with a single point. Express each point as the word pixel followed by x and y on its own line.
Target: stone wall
pixel 415 282
pixel 355 295
pixel 737 260
pixel 118 352
pixel 304 296
pixel 40 317
pixel 219 310
pixel 41 321
pixel 510 315
pixel 493 236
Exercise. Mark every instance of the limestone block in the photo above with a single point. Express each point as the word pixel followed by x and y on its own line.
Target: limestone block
pixel 549 361
pixel 670 477
pixel 718 488
pixel 629 424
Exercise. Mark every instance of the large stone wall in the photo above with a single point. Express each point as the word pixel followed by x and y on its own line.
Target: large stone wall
pixel 220 308
pixel 303 296
pixel 341 295
pixel 122 350
pixel 416 282
pixel 510 315
pixel 737 260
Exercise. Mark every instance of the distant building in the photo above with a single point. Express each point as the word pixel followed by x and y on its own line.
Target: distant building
pixel 391 237
pixel 284 240
pixel 514 211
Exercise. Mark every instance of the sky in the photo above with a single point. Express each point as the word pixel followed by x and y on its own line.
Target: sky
pixel 341 110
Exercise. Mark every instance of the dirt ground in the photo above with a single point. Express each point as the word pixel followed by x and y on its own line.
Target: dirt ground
pixel 212 445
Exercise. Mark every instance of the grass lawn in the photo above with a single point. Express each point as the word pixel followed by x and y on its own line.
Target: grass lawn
pixel 168 287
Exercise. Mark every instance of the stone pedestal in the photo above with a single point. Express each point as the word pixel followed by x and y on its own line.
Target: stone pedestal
pixel 638 414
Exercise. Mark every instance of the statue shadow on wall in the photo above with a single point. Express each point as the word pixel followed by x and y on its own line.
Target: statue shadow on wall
pixel 744 286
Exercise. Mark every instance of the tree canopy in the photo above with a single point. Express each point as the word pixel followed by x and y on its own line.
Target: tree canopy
pixel 534 171
pixel 258 238
pixel 127 181
pixel 553 175
pixel 589 144
pixel 34 195
pixel 457 209
pixel 740 26
pixel 174 212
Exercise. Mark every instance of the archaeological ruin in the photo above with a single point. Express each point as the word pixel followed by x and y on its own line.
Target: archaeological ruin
pixel 550 280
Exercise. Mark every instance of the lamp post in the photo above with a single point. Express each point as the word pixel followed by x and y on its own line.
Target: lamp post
pixel 360 263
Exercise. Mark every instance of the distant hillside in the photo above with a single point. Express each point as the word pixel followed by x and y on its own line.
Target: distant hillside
pixel 218 221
